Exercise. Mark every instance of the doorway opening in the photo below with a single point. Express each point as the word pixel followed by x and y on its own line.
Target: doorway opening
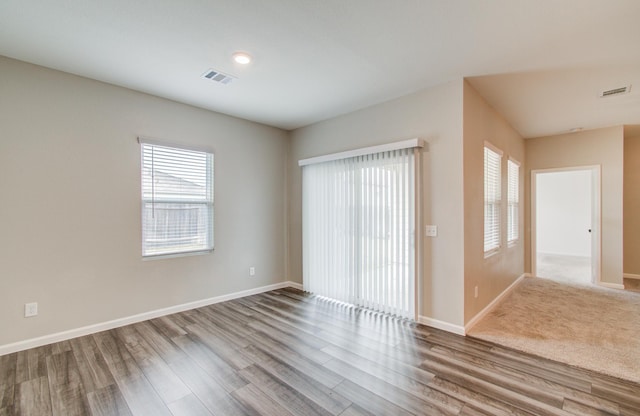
pixel 565 224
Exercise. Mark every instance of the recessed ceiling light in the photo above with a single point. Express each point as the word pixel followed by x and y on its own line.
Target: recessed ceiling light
pixel 242 58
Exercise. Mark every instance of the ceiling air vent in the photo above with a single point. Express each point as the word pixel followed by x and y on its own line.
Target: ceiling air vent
pixel 218 76
pixel 616 91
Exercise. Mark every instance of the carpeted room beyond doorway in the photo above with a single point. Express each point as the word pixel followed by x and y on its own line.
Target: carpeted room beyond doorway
pixel 584 326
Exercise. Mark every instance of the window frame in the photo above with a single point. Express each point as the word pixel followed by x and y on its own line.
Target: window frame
pixel 494 199
pixel 189 201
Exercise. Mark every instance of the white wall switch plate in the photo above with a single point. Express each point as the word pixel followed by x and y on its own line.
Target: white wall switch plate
pixel 252 271
pixel 431 230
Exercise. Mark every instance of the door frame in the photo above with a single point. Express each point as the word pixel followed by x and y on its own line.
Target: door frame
pixel 596 218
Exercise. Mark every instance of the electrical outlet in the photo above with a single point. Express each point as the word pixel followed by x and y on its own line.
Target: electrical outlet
pixel 431 230
pixel 30 309
pixel 252 271
pixel 475 293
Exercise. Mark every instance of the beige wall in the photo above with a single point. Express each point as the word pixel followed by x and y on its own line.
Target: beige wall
pixel 70 212
pixel 632 205
pixel 602 147
pixel 493 274
pixel 436 116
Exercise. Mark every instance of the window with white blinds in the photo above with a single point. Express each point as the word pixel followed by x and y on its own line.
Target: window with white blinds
pixel 177 200
pixel 513 201
pixel 358 230
pixel 492 198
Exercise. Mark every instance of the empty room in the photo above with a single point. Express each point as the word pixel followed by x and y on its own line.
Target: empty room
pixel 305 207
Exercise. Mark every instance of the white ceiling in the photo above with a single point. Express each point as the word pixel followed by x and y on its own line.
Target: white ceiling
pixel 540 63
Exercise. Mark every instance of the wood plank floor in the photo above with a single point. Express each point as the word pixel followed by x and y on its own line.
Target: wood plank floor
pixel 288 353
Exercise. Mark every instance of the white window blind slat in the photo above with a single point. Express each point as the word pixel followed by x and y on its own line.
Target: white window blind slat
pixel 358 230
pixel 177 200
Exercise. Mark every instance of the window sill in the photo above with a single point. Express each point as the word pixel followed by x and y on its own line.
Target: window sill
pixel 491 253
pixel 173 255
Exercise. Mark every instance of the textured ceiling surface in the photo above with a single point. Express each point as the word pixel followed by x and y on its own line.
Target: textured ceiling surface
pixel 541 63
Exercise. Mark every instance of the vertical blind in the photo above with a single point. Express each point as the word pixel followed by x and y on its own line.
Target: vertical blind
pixel 177 200
pixel 492 199
pixel 358 230
pixel 513 200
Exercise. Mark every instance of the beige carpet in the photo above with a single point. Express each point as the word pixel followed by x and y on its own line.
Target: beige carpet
pixel 585 326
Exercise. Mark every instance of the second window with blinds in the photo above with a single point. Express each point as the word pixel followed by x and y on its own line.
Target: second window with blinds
pixel 493 201
pixel 513 202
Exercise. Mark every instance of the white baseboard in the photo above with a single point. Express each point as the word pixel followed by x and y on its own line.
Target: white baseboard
pixel 611 285
pixel 445 326
pixel 631 276
pixel 462 330
pixel 92 329
pixel 485 311
pixel 295 285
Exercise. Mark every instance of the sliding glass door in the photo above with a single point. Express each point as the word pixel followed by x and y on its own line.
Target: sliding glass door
pixel 358 230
